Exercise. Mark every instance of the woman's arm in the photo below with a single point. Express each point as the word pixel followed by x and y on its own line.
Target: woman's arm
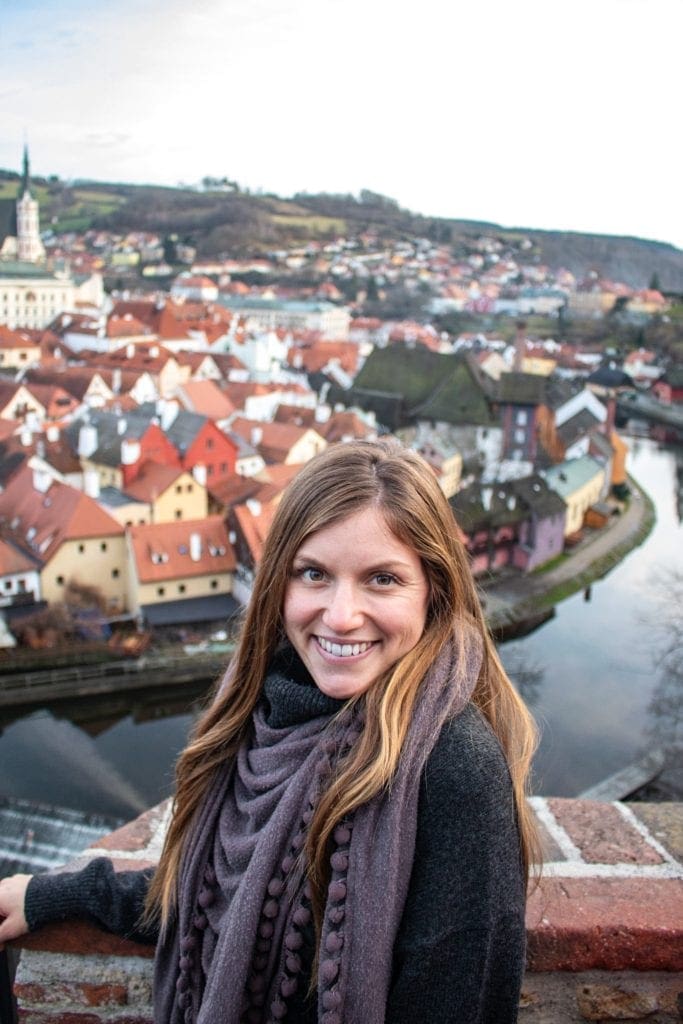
pixel 113 900
pixel 460 952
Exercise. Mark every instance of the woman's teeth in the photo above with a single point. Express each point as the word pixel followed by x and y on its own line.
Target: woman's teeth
pixel 342 650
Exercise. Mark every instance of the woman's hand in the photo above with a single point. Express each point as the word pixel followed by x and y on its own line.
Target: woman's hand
pixel 12 895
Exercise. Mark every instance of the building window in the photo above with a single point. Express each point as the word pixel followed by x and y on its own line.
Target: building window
pixel 115 574
pixel 214 584
pixel 189 488
pixel 60 581
pixel 521 417
pixel 520 436
pixel 161 591
pixel 8 584
pixel 81 548
pixel 209 470
pixel 103 546
pixel 179 488
pixel 209 443
pixel 181 588
pixel 179 513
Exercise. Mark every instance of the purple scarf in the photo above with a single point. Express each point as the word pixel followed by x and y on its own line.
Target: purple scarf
pixel 232 954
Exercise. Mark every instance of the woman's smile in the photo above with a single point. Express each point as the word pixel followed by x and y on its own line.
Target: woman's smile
pixel 343 648
pixel 356 602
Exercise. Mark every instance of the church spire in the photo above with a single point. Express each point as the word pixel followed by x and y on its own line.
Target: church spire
pixel 25 176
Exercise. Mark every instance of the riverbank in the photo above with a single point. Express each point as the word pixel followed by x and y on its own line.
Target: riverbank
pixel 512 599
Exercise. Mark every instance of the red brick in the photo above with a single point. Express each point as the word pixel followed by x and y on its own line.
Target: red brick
pixel 83 938
pixel 56 1017
pixel 73 993
pixel 62 1017
pixel 601 833
pixel 578 924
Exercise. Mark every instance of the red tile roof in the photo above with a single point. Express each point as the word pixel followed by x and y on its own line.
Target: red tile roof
pixel 44 520
pixel 254 526
pixel 152 480
pixel 12 339
pixel 14 560
pixel 206 397
pixel 163 551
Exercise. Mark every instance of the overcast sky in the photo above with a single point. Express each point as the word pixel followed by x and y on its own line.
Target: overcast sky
pixel 523 112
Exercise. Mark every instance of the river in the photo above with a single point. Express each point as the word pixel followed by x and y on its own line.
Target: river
pixel 590 675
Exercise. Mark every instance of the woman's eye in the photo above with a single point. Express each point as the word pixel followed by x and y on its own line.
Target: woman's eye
pixel 384 579
pixel 312 575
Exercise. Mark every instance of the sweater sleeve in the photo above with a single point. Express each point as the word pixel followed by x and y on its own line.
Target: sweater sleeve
pixel 459 956
pixel 113 900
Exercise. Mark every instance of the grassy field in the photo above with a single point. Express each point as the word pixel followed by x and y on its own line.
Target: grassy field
pixel 313 224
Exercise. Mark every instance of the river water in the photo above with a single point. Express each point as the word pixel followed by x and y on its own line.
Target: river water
pixel 590 675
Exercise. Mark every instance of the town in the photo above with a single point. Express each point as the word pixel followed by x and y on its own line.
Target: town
pixel 154 404
pixel 146 436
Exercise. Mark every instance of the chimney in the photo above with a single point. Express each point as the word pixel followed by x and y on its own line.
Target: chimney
pixel 116 380
pixel 322 413
pixel 41 481
pixel 256 436
pixel 52 433
pixel 87 440
pixel 520 346
pixel 608 425
pixel 130 351
pixel 91 483
pixel 130 452
pixel 254 506
pixel 199 473
pixel 121 426
pixel 26 437
pixel 195 546
pixel 168 412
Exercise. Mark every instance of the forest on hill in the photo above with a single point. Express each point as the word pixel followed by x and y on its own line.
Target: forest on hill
pixel 220 218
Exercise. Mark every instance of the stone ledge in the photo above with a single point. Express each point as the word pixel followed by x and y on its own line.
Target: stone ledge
pixel 610 900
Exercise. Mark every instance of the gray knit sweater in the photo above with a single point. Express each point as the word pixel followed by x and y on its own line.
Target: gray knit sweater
pixel 459 956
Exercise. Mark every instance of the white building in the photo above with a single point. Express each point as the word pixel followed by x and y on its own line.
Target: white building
pixel 30 296
pixel 294 315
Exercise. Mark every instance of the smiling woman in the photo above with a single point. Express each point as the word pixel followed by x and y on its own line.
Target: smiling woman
pixel 355 604
pixel 350 838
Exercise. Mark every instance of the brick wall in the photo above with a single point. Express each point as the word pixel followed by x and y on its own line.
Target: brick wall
pixel 605 926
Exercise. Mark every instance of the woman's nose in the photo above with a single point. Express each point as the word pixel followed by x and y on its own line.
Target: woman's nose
pixel 343 611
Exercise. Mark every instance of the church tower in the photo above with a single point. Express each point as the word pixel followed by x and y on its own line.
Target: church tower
pixel 29 246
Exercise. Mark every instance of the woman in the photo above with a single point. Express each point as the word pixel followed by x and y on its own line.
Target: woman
pixel 350 839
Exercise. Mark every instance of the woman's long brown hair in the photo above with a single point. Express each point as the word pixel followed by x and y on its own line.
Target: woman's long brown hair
pixel 339 482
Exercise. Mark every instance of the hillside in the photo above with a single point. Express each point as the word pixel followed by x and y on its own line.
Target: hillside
pixel 240 223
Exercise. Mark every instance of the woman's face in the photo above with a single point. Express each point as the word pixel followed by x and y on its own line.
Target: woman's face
pixel 355 603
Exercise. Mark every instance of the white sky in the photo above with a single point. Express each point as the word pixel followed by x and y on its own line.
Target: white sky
pixel 522 112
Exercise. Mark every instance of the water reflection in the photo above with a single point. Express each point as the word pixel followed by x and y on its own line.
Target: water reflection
pixel 109 755
pixel 526 674
pixel 664 729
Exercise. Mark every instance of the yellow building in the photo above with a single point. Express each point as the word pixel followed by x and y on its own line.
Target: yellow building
pixel 69 533
pixel 579 482
pixel 179 561
pixel 169 493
